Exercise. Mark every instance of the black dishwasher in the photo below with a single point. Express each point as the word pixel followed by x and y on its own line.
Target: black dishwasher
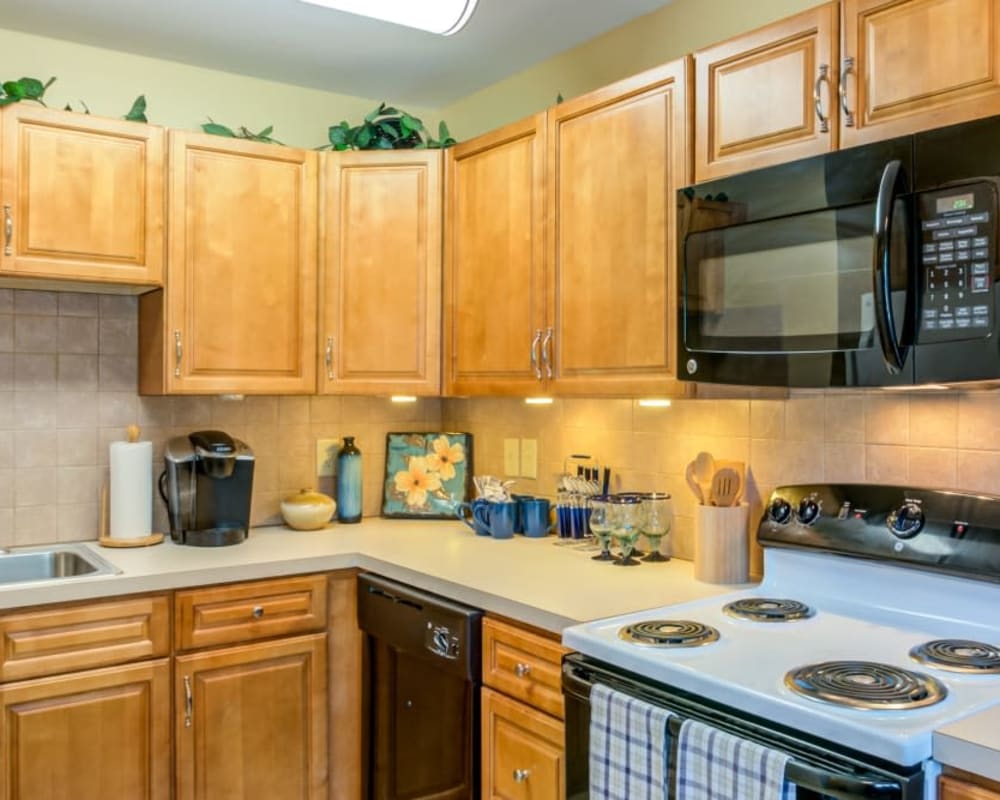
pixel 421 693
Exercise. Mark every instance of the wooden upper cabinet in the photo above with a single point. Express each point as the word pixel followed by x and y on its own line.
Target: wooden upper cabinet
pixel 380 273
pixel 494 305
pixel 755 95
pixel 239 310
pixel 82 197
pixel 918 64
pixel 617 157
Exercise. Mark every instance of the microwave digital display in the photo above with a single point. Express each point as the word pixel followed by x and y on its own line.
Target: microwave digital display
pixel 956 202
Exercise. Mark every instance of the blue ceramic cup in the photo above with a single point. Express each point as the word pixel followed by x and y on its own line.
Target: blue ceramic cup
pixel 535 513
pixel 498 518
pixel 467 513
pixel 520 500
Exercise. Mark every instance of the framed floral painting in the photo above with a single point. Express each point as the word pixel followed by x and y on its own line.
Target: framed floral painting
pixel 426 474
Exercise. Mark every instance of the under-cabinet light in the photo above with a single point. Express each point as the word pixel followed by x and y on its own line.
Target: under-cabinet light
pixel 654 402
pixel 441 16
pixel 403 398
pixel 920 387
pixel 538 401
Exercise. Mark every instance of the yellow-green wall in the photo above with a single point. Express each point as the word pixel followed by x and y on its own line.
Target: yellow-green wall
pixel 179 95
pixel 656 38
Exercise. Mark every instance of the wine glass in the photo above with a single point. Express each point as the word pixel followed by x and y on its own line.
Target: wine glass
pixel 627 518
pixel 602 524
pixel 658 518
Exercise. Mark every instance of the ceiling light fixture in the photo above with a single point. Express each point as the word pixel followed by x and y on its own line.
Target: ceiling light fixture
pixel 442 16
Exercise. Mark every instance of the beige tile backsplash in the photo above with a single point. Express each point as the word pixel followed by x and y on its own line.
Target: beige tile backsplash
pixel 67 390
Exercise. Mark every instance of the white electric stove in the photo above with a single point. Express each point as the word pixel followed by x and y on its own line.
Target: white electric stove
pixel 892 630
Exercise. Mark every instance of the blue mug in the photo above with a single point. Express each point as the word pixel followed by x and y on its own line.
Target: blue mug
pixel 520 499
pixel 535 517
pixel 498 518
pixel 480 528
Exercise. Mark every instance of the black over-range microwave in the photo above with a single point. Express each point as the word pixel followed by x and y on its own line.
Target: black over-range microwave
pixel 873 266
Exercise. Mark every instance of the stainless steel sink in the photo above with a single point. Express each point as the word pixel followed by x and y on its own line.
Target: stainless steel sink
pixel 51 562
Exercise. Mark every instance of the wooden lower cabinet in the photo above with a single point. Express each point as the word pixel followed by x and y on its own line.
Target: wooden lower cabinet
pixel 97 735
pixel 956 789
pixel 251 721
pixel 523 751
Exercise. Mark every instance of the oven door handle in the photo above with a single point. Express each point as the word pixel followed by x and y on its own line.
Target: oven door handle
pixel 893 184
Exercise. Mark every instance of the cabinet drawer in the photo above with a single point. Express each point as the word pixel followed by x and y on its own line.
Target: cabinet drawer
pixel 247 611
pixel 52 641
pixel 523 751
pixel 524 665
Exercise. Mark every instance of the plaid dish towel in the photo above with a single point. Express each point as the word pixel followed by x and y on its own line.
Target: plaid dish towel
pixel 628 747
pixel 713 765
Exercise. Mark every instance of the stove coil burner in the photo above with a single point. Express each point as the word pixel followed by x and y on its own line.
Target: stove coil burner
pixel 669 633
pixel 866 685
pixel 767 609
pixel 959 655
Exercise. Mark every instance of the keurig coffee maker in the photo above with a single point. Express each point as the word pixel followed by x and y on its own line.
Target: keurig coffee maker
pixel 206 485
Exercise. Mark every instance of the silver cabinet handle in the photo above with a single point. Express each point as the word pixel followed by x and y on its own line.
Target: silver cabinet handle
pixel 258 612
pixel 824 77
pixel 522 670
pixel 8 230
pixel 534 354
pixel 521 775
pixel 546 356
pixel 178 352
pixel 328 358
pixel 188 702
pixel 846 68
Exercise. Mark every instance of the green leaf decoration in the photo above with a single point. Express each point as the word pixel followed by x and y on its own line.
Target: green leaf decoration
pixel 32 87
pixel 14 89
pixel 363 139
pixel 386 128
pixel 6 101
pixel 25 89
pixel 371 116
pixel 216 129
pixel 138 111
pixel 266 133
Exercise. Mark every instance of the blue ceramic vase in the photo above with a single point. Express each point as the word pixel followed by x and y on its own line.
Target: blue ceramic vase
pixel 349 482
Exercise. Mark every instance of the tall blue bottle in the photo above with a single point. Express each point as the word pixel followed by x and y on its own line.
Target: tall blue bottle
pixel 349 482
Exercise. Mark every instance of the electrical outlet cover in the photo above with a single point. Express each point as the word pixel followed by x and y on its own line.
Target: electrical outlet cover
pixel 511 457
pixel 326 457
pixel 529 458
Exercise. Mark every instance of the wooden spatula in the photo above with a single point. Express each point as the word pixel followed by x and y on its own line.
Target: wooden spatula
pixel 695 486
pixel 726 487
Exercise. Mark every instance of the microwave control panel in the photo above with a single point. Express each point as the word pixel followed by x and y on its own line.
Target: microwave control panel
pixel 957 251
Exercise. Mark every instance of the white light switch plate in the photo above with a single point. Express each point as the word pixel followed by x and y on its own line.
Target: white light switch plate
pixel 511 457
pixel 529 458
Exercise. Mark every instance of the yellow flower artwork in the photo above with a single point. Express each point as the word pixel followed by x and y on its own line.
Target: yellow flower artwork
pixel 426 474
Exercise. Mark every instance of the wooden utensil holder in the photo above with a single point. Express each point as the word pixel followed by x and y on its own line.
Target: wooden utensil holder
pixel 721 550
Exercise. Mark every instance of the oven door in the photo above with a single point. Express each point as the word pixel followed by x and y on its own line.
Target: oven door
pixel 818 769
pixel 799 275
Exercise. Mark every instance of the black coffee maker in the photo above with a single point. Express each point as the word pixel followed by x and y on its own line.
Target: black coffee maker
pixel 207 485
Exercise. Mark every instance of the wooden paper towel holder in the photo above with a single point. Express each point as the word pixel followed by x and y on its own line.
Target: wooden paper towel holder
pixel 103 539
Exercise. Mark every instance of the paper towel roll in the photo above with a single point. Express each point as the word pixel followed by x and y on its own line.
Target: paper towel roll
pixel 131 490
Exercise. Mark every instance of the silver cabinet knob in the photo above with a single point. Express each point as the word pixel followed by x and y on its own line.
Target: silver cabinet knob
pixel 521 775
pixel 522 670
pixel 258 612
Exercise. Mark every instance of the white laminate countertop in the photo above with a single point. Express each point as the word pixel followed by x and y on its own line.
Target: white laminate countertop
pixel 971 744
pixel 530 580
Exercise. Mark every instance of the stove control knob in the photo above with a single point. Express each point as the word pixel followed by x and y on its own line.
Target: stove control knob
pixel 779 511
pixel 808 510
pixel 906 521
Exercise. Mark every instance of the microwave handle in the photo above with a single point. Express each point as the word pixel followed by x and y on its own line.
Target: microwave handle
pixel 893 184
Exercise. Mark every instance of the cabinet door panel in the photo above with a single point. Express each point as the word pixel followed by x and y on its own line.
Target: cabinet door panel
pixel 100 735
pixel 955 789
pixel 494 252
pixel 242 263
pixel 754 95
pixel 257 722
pixel 616 159
pixel 381 277
pixel 920 64
pixel 85 196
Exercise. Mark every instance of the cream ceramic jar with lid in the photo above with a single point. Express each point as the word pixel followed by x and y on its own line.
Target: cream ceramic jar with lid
pixel 308 510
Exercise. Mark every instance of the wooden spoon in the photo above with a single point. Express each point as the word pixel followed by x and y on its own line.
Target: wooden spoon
pixel 695 487
pixel 704 470
pixel 726 487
